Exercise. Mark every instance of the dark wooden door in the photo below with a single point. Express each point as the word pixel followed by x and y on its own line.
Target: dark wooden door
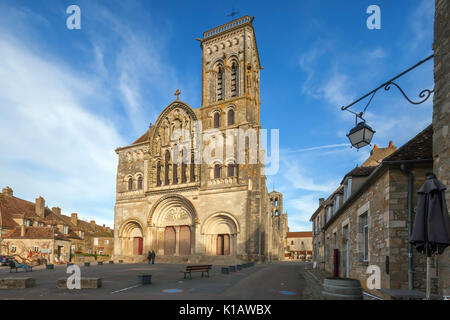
pixel 226 244
pixel 169 241
pixel 185 241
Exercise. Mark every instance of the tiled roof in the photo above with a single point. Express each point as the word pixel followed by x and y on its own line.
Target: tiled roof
pixel 377 155
pixel 35 233
pixel 418 148
pixel 15 207
pixel 142 138
pixel 12 207
pixel 359 172
pixel 301 234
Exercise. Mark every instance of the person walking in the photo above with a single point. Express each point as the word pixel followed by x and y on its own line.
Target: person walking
pixel 153 255
pixel 149 257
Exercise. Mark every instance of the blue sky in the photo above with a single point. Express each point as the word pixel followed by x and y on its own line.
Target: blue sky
pixel 68 98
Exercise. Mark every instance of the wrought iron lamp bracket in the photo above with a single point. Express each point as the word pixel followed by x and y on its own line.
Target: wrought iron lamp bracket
pixel 424 94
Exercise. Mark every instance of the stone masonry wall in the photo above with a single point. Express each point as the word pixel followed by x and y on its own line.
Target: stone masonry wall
pixel 441 118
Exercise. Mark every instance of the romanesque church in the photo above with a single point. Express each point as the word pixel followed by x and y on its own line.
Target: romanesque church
pixel 170 200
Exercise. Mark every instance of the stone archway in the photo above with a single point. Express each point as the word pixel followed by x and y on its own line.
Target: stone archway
pixel 131 238
pixel 220 232
pixel 172 223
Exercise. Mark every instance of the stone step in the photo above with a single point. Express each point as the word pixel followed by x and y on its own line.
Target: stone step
pixel 17 283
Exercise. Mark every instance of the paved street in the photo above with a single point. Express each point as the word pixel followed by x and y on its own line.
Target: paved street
pixel 274 281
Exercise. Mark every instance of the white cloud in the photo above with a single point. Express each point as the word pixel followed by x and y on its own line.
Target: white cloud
pixel 52 144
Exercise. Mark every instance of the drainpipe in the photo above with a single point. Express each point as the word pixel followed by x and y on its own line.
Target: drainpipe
pixel 410 191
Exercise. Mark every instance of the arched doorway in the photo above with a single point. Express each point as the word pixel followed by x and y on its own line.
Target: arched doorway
pixel 172 222
pixel 131 239
pixel 223 245
pixel 220 232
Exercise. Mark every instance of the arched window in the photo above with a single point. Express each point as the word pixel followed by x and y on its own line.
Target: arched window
pixel 216 120
pixel 183 168
pixel 158 173
pixel 130 184
pixel 220 86
pixel 192 167
pixel 139 183
pixel 175 166
pixel 231 170
pixel 217 173
pixel 230 117
pixel 166 167
pixel 234 80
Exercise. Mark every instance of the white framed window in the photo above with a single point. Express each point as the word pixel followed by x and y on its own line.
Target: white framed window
pixel 95 241
pixel 106 241
pixel 336 203
pixel 36 249
pixel 364 243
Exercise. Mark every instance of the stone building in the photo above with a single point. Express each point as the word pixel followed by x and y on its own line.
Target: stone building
pixel 370 224
pixel 299 245
pixel 171 198
pixel 441 119
pixel 32 231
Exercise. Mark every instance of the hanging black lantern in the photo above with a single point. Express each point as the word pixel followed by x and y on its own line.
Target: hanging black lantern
pixel 361 135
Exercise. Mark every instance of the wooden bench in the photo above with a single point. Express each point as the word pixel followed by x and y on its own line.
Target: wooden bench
pixel 200 268
pixel 15 265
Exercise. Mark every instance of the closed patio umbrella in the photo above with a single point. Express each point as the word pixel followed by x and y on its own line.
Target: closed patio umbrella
pixel 431 230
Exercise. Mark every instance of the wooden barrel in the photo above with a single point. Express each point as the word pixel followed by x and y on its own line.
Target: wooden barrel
pixel 342 289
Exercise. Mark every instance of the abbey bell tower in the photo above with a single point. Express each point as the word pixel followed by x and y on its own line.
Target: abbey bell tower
pixel 230 68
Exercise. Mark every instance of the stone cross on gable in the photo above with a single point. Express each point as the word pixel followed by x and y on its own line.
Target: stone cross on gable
pixel 177 93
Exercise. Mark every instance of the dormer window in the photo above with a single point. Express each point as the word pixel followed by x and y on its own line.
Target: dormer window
pixel 336 203
pixel 347 188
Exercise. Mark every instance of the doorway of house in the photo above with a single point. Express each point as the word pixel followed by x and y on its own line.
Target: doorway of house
pixel 223 245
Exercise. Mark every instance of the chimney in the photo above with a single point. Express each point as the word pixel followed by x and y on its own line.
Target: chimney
pixel 321 200
pixel 57 210
pixel 74 219
pixel 22 230
pixel 93 221
pixel 391 145
pixel 7 191
pixel 40 207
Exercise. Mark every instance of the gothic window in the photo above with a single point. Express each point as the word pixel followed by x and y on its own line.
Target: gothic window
pixel 166 167
pixel 230 117
pixel 158 174
pixel 234 80
pixel 139 183
pixel 217 172
pixel 220 86
pixel 175 166
pixel 183 169
pixel 192 167
pixel 216 120
pixel 130 184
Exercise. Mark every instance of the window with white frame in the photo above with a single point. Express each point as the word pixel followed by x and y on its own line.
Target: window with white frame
pixel 348 188
pixel 364 232
pixel 36 249
pixel 106 241
pixel 328 216
pixel 336 203
pixel 95 241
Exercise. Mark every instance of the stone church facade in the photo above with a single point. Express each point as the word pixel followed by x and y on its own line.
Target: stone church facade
pixel 172 199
